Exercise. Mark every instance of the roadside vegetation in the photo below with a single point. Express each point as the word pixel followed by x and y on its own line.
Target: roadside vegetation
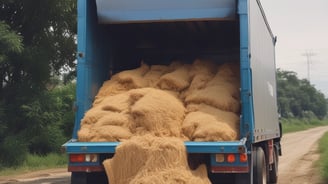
pixel 323 161
pixel 294 125
pixel 298 98
pixel 36 162
pixel 37 65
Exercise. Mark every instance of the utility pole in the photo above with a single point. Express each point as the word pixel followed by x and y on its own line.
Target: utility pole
pixel 308 55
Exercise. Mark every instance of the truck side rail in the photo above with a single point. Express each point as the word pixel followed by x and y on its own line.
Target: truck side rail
pixel 74 147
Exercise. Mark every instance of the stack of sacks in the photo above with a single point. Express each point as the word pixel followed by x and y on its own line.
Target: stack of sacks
pixel 153 109
pixel 214 107
pixel 108 121
pixel 177 80
pixel 135 112
pixel 153 160
pixel 154 100
pixel 158 113
pixel 123 82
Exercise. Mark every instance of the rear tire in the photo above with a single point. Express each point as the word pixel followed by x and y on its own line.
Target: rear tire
pixel 273 174
pixel 260 170
pixel 89 178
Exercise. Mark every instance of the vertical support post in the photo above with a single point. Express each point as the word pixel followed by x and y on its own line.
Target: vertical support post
pixel 246 73
pixel 81 60
pixel 247 119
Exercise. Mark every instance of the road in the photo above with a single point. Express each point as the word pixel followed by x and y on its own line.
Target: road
pixel 49 176
pixel 299 152
pixel 295 166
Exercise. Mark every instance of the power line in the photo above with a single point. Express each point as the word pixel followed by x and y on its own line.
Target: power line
pixel 308 55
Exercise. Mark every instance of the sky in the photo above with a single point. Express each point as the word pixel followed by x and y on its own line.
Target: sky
pixel 301 27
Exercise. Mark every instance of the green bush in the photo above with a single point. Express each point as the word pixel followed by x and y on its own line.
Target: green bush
pixel 13 151
pixel 51 119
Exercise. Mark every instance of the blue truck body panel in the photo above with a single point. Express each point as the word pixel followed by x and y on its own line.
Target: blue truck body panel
pixel 247 117
pixel 124 11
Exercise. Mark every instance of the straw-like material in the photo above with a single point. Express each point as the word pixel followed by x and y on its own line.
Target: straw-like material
pixel 216 96
pixel 176 80
pixel 200 126
pixel 159 113
pixel 230 118
pixel 154 74
pixel 152 110
pixel 152 160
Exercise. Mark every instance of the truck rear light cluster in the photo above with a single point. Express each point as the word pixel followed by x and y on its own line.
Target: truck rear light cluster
pixel 243 157
pixel 231 158
pixel 74 158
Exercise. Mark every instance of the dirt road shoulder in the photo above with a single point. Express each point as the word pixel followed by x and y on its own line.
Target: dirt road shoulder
pixel 299 153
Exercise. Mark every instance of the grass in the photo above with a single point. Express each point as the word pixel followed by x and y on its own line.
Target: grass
pixel 36 162
pixel 323 160
pixel 294 125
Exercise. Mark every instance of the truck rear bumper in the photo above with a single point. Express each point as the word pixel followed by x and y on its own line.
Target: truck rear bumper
pixel 88 156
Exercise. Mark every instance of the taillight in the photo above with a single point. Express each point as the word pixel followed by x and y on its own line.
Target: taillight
pixel 77 157
pixel 83 158
pixel 231 158
pixel 243 157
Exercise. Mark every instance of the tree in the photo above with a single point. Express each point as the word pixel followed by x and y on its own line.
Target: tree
pixel 37 42
pixel 10 43
pixel 48 28
pixel 298 98
pixel 52 117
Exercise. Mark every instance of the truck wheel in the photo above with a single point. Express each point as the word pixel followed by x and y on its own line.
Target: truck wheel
pixel 78 177
pixel 273 174
pixel 88 178
pixel 260 174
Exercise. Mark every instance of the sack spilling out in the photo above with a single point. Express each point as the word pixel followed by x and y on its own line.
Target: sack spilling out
pixel 152 110
pixel 153 160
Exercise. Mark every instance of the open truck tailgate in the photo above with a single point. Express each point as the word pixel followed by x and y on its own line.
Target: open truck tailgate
pixel 73 147
pixel 126 11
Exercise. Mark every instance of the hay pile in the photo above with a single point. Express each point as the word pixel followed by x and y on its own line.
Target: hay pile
pixel 152 160
pixel 153 109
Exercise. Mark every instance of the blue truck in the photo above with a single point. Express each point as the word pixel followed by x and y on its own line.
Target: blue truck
pixel 114 35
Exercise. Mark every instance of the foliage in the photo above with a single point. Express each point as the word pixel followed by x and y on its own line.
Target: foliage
pixel 10 42
pixel 48 124
pixel 298 98
pixel 13 151
pixel 48 30
pixel 51 118
pixel 37 44
pixel 36 162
